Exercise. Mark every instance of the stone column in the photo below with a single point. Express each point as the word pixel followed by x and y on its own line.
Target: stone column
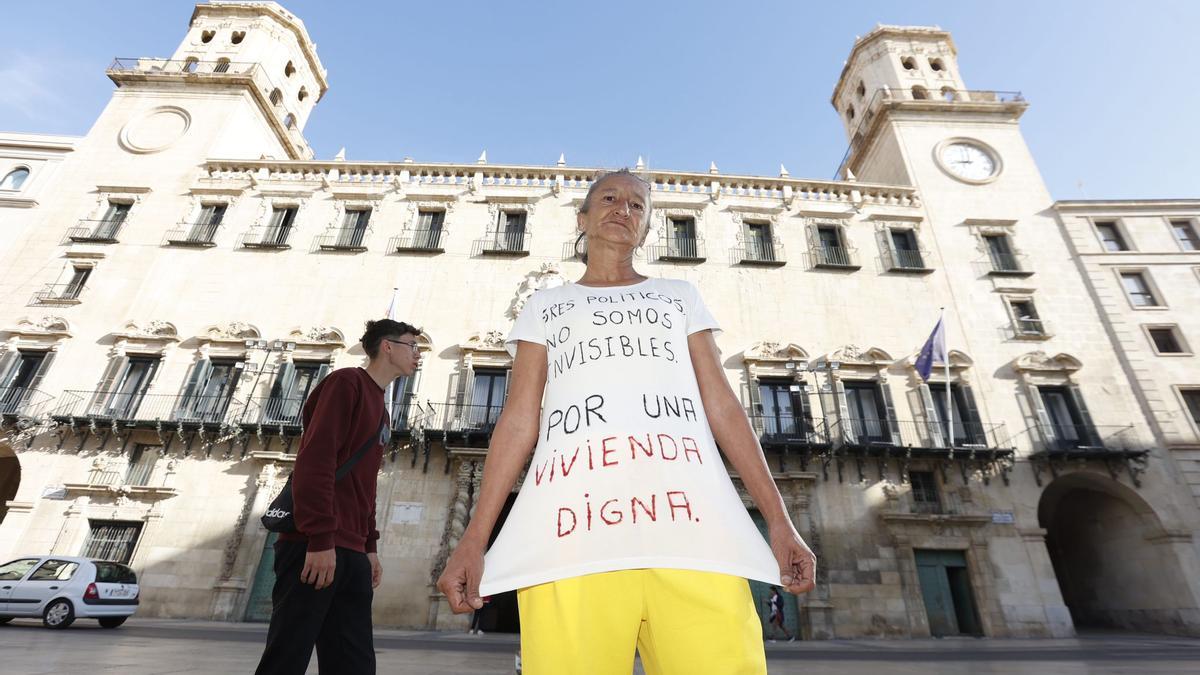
pixel 248 536
pixel 440 616
pixel 1058 617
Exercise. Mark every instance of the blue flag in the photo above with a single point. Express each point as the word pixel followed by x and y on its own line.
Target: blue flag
pixel 934 350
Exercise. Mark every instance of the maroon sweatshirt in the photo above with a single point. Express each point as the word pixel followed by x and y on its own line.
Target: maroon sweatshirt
pixel 341 413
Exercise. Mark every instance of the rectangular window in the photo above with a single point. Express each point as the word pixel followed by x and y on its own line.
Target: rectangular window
pixel 1001 253
pixel 74 287
pixel 1110 236
pixel 18 380
pixel 1026 317
pixel 759 243
pixel 131 387
pixel 867 417
pixel 402 399
pixel 1166 340
pixel 683 238
pixel 833 250
pixel 112 540
pixel 905 251
pixel 141 464
pixel 354 228
pixel 487 397
pixel 1191 399
pixel 280 225
pixel 511 235
pixel 111 223
pixel 1185 234
pixel 783 408
pixel 925 496
pixel 1066 422
pixel 429 229
pixel 1138 289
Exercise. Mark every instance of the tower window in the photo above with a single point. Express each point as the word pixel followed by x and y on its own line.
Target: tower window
pixel 290 121
pixel 303 94
pixel 909 63
pixel 222 65
pixel 850 112
pixel 14 179
pixel 1166 340
pixel 237 37
pixel 937 65
pixel 862 89
pixel 207 36
pixel 919 93
pixel 289 69
pixel 276 97
pixel 190 65
pixel 949 94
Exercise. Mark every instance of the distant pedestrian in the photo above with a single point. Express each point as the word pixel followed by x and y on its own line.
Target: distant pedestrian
pixel 775 613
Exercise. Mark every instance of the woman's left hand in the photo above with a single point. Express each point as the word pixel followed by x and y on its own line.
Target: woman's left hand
pixel 797 564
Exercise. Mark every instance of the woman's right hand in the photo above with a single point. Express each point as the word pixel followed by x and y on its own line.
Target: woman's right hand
pixel 460 580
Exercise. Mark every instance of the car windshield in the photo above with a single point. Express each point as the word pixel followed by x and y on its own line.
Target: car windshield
pixel 114 573
pixel 12 571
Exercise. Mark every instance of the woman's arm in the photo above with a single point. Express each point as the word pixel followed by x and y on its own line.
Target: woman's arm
pixel 512 441
pixel 731 428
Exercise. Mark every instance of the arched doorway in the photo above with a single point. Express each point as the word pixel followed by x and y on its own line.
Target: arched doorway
pixel 1113 565
pixel 10 477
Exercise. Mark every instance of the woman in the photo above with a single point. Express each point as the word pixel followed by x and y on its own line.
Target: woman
pixel 775 613
pixel 627 532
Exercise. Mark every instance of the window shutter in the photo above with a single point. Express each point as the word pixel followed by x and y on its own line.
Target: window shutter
pixel 1039 410
pixel 507 381
pixel 973 424
pixel 8 363
pixel 194 385
pixel 890 411
pixel 104 390
pixel 43 368
pixel 936 435
pixel 1093 439
pixel 814 242
pixel 756 406
pixel 843 408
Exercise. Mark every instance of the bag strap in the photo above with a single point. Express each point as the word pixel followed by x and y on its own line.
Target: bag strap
pixel 371 442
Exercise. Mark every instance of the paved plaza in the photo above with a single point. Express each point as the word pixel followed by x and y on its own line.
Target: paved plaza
pixel 151 646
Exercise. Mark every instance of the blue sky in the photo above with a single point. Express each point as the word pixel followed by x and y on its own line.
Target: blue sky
pixel 1112 85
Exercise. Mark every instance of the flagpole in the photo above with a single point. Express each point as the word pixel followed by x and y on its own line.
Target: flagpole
pixel 949 403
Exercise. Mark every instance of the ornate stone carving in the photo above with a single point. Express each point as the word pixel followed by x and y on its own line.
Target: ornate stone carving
pixel 547 276
pixel 231 331
pixel 456 522
pixel 1040 361
pixel 487 341
pixel 154 330
pixel 48 325
pixel 768 350
pixel 319 335
pixel 854 354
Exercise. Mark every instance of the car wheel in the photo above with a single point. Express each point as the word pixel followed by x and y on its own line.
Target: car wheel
pixel 112 621
pixel 59 613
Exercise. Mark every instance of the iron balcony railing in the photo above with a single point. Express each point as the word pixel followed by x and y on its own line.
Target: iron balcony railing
pixel 1031 328
pixel 192 234
pixel 169 67
pixel 779 429
pixel 767 253
pixel 835 256
pixel 96 231
pixel 22 401
pixel 679 249
pixel 136 407
pixel 58 293
pixel 106 477
pixel 921 434
pixel 503 242
pixel 1007 263
pixel 1090 438
pixel 419 240
pixel 905 260
pixel 461 418
pixel 352 239
pixel 272 412
pixel 266 237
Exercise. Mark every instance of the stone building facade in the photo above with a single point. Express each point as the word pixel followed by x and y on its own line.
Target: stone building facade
pixel 151 409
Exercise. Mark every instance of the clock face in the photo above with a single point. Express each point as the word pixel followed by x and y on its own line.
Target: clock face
pixel 968 161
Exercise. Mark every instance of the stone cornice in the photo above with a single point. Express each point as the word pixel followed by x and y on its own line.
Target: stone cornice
pixel 1102 206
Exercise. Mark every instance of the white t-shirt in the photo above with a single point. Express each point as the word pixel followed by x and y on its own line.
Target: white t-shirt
pixel 626 473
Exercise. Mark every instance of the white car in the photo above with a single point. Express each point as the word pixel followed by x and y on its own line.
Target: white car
pixel 62 588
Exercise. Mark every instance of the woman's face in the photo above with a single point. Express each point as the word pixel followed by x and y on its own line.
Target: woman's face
pixel 617 213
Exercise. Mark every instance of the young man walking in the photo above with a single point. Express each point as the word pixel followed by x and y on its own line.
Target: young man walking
pixel 325 572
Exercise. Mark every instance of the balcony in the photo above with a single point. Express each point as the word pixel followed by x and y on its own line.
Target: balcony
pixel 270 238
pixel 503 243
pixel 193 235
pixel 906 260
pixel 96 231
pixel 1008 265
pixel 145 410
pixel 759 253
pixel 419 241
pixel 921 438
pixel 679 249
pixel 1116 447
pixel 57 294
pixel 834 257
pixel 344 239
pixel 461 423
pixel 17 402
pixel 789 431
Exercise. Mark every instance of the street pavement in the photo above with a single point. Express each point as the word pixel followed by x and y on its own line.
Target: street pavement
pixel 159 646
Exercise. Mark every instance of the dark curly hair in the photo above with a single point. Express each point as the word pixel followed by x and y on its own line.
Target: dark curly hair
pixel 384 328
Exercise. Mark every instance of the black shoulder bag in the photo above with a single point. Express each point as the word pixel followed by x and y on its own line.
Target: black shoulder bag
pixel 280 515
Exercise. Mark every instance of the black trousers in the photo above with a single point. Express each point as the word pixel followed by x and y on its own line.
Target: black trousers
pixel 336 619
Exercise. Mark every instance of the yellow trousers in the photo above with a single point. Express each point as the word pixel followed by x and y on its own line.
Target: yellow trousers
pixel 682 622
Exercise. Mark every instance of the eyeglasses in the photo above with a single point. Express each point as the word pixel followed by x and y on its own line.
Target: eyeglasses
pixel 412 345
